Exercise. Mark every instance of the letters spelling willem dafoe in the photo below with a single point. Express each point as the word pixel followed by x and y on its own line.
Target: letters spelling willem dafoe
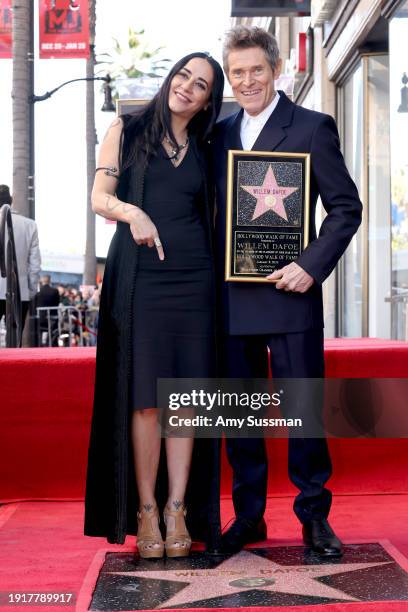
pixel 267 212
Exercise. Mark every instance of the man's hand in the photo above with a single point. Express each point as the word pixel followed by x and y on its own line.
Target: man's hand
pixel 292 278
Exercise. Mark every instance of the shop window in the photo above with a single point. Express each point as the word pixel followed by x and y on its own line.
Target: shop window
pixel 399 173
pixel 365 271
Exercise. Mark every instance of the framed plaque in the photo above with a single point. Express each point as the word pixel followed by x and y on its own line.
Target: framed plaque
pixel 267 212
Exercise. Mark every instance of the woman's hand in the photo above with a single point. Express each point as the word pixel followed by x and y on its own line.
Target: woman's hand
pixel 144 231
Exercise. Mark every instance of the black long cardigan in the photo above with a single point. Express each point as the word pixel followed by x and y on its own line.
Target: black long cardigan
pixel 111 501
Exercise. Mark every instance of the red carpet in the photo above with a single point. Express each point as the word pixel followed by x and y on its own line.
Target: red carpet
pixel 42 548
pixel 46 403
pixel 45 411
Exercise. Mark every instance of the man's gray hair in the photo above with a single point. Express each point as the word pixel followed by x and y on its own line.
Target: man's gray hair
pixel 244 37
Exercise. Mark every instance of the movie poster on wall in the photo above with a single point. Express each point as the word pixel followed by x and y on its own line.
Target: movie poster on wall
pixel 64 29
pixel 6 26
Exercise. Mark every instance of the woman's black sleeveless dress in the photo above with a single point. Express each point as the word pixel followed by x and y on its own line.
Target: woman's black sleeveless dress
pixel 173 327
pixel 156 319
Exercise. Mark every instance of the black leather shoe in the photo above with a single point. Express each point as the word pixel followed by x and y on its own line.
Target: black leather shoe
pixel 318 534
pixel 241 532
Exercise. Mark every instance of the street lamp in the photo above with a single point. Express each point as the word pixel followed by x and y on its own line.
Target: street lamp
pixel 108 105
pixel 403 108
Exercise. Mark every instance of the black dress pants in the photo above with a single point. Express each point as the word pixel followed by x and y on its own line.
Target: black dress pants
pixel 294 355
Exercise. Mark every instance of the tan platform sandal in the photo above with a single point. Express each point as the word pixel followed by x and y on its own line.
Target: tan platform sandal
pixel 178 541
pixel 149 541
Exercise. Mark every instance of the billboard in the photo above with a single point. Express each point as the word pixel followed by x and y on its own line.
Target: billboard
pixel 64 29
pixel 6 26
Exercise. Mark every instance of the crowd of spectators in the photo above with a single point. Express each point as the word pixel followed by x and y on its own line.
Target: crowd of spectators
pixel 59 315
pixel 71 318
pixel 72 296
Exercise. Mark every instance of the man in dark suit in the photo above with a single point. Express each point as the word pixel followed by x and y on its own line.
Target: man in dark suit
pixel 287 315
pixel 47 297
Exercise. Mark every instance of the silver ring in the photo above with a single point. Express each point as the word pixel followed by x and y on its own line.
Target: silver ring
pixel 157 242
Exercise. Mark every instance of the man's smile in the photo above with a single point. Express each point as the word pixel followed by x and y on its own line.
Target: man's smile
pixel 251 92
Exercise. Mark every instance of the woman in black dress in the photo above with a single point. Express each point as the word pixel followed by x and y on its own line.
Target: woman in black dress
pixel 157 304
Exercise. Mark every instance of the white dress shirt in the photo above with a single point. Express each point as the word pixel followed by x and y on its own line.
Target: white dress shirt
pixel 251 127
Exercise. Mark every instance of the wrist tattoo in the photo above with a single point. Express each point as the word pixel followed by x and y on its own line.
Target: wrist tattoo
pixel 177 503
pixel 108 206
pixel 126 208
pixel 148 507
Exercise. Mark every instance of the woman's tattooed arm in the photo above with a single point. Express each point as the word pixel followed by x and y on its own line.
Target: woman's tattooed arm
pixel 104 200
pixel 109 171
pixel 112 203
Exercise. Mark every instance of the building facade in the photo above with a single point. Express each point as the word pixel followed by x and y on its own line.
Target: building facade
pixel 349 59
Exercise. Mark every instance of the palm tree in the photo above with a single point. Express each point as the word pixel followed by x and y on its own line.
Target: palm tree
pixel 22 107
pixel 89 276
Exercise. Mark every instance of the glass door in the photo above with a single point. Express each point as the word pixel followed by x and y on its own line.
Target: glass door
pixel 351 268
pixel 364 276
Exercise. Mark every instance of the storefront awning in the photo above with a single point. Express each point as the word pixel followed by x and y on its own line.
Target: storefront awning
pixel 269 8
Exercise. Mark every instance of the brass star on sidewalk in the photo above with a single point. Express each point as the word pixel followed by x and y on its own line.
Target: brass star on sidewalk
pixel 245 572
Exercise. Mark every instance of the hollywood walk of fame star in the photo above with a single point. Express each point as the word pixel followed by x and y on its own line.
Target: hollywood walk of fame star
pixel 269 196
pixel 245 572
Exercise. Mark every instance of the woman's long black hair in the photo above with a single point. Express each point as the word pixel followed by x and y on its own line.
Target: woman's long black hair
pixel 146 128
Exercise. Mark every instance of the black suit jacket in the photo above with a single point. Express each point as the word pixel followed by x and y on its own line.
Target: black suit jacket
pixel 47 296
pixel 250 308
